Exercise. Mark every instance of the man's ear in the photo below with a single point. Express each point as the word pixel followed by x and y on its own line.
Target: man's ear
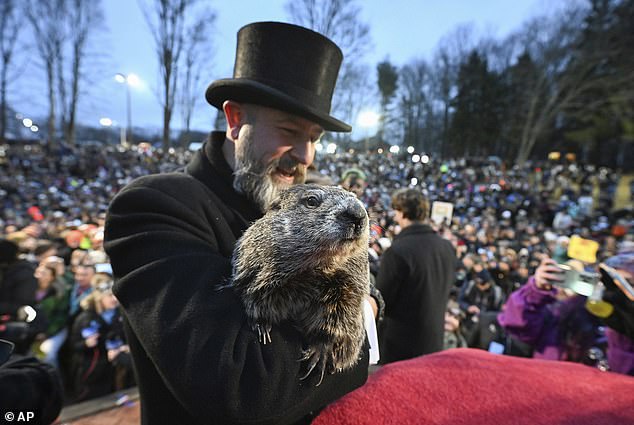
pixel 234 114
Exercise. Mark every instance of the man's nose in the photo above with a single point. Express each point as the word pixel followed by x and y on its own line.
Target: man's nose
pixel 303 152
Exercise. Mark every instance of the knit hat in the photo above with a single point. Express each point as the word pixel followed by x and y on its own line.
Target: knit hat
pixel 484 276
pixel 354 172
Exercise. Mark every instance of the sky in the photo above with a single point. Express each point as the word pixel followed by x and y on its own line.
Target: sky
pixel 401 30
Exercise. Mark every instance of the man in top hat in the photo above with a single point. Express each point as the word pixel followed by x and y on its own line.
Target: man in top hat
pixel 170 238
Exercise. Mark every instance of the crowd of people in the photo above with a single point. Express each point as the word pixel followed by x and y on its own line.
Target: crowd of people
pixel 506 221
pixel 113 270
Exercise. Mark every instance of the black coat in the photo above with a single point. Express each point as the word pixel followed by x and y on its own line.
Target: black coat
pixel 170 238
pixel 415 277
pixel 17 286
pixel 29 385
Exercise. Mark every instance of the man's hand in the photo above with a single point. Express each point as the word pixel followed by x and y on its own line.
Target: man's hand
pixel 112 354
pixel 92 340
pixel 473 309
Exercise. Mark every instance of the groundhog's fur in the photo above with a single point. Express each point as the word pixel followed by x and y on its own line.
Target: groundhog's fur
pixel 306 261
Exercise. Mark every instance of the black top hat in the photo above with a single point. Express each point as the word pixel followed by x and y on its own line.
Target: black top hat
pixel 285 67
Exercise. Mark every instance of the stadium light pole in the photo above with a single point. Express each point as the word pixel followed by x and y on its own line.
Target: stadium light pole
pixel 130 80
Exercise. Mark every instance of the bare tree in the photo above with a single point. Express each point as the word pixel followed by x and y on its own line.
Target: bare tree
pixel 354 90
pixel 167 24
pixel 46 19
pixel 338 20
pixel 84 18
pixel 10 25
pixel 62 30
pixel 565 80
pixel 197 49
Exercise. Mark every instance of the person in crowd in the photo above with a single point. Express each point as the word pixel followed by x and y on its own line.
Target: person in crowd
pixel 77 258
pixel 480 299
pixel 415 278
pixel 97 339
pixel 354 180
pixel 52 304
pixel 170 240
pixel 81 288
pixel 558 325
pixel 17 280
pixel 453 332
pixel 28 386
pixel 43 250
pixel 480 294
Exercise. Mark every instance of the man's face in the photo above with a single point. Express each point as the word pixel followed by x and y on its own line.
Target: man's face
pixel 272 152
pixel 83 276
pixel 355 185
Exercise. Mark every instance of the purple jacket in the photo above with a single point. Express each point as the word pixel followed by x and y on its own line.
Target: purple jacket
pixel 524 317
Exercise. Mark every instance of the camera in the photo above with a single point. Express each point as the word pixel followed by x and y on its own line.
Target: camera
pixel 580 282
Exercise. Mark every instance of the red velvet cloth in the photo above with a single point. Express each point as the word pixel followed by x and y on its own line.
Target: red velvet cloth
pixel 469 386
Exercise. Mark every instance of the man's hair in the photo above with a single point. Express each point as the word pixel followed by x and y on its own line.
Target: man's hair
pixel 412 203
pixel 52 269
pixel 249 112
pixel 87 266
pixel 8 251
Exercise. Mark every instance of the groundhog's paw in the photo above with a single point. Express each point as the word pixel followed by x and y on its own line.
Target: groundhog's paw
pixel 346 353
pixel 316 357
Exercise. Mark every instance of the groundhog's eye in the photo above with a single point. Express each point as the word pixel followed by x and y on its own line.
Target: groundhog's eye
pixel 312 202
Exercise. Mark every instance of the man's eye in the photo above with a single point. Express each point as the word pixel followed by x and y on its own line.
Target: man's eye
pixel 312 202
pixel 288 131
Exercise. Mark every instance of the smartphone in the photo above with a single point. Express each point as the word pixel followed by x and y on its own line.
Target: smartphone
pixel 582 283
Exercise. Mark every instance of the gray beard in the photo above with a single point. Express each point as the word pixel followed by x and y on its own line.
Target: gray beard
pixel 255 181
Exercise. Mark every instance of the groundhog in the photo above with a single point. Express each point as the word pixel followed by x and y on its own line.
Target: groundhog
pixel 306 260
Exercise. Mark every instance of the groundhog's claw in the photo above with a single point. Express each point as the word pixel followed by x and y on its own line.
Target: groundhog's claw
pixel 314 358
pixel 264 333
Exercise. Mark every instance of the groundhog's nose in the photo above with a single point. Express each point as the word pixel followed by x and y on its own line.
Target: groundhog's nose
pixel 355 215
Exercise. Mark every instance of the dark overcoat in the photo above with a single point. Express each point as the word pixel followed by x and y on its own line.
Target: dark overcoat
pixel 170 239
pixel 415 277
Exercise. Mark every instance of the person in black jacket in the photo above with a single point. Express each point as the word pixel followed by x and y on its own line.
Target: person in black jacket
pixel 17 293
pixel 17 280
pixel 415 278
pixel 30 390
pixel 170 239
pixel 93 375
